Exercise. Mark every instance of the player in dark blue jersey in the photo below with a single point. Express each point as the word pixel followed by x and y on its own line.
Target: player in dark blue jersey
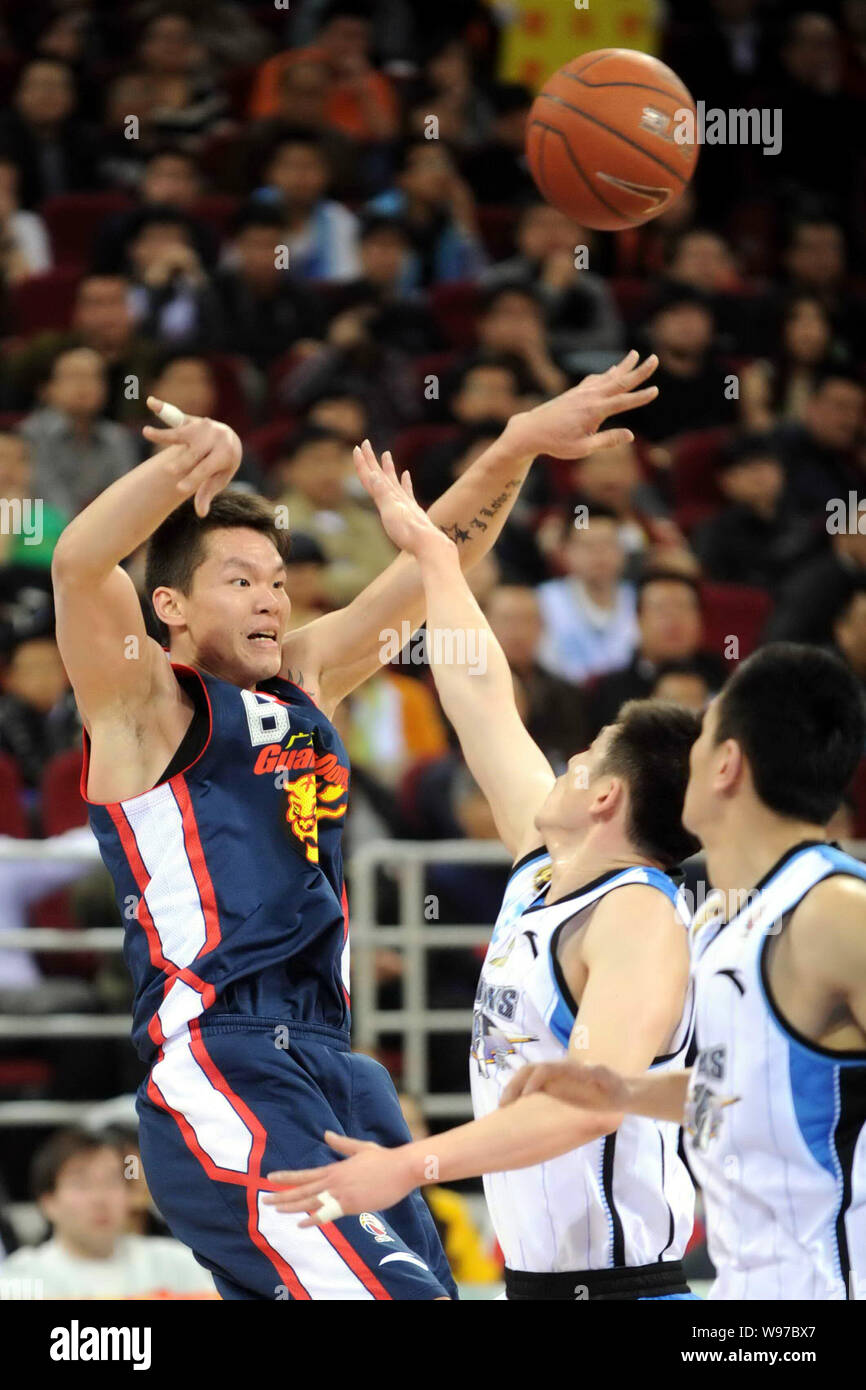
pixel 218 788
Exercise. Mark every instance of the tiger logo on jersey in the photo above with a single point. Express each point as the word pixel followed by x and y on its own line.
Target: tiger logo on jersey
pixel 314 785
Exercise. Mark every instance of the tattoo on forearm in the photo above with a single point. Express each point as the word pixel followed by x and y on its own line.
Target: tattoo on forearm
pixel 459 534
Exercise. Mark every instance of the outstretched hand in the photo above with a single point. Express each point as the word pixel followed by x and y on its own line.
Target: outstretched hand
pixel 569 426
pixel 406 524
pixel 210 458
pixel 369 1178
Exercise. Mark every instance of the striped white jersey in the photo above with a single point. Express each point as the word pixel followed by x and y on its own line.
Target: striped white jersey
pixel 783 1168
pixel 622 1200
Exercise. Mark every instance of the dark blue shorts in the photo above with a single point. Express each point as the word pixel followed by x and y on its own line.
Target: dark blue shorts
pixel 232 1099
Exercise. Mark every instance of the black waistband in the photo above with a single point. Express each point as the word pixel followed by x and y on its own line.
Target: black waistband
pixel 626 1282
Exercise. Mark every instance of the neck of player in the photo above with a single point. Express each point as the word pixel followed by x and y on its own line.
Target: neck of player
pixel 743 847
pixel 578 859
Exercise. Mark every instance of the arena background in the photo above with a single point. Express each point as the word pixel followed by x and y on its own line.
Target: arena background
pixel 316 223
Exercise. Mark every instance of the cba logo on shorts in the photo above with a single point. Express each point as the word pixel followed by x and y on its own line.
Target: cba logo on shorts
pixel 375 1227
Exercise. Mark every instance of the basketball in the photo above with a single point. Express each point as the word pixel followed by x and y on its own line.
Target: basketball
pixel 610 138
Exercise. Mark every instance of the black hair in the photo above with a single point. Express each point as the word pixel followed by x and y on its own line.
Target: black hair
pixel 306 434
pixel 746 447
pixel 671 294
pixel 650 749
pixel 799 716
pixel 655 576
pixel 63 1145
pixel 491 296
pixel 829 372
pixel 178 546
pixel 305 551
pixel 374 222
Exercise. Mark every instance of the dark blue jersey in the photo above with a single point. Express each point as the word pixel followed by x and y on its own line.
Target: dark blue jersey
pixel 229 872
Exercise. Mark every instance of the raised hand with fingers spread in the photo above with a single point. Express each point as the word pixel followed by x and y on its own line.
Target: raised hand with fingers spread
pixel 569 426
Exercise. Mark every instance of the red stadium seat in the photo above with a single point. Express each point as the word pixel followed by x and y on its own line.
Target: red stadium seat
pixel 234 405
pixel 62 805
pixel 497 226
pixel 455 308
pixel 12 818
pixel 217 210
pixel 267 441
pixel 734 610
pixel 630 295
pixel 411 443
pixel 43 301
pixel 693 475
pixel 73 220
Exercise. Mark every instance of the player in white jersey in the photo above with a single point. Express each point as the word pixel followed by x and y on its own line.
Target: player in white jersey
pixel 589 952
pixel 775 1106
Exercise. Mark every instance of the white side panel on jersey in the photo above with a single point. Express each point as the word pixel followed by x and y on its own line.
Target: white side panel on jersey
pixel 180 1006
pixel 171 896
pixel 218 1127
pixel 321 1270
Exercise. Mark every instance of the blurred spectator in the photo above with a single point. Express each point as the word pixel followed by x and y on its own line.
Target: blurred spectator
pixel 54 151
pixel 702 260
pixel 185 103
pixel 753 540
pixel 448 92
pixel 694 391
pixel 818 451
pixel 313 474
pixel 611 479
pixel 849 631
pixel 464 1249
pixel 781 387
pixel 816 593
pixel 497 171
pixel 671 629
pixel 683 683
pixel 25 247
pixel 172 299
pixel 306 568
pixel 170 178
pixel 553 710
pixel 355 360
pixel 360 101
pixel 32 682
pixel 77 452
pixel 486 390
pixel 321 235
pixel 344 414
pixel 142 1217
pixel 32 540
pixel 581 315
pixel 438 208
pixel 811 95
pixel 512 323
pixel 78 1182
pixel 816 262
pixel 404 319
pixel 265 309
pixel 102 319
pixel 589 614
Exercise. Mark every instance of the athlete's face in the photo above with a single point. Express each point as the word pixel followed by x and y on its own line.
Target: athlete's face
pixel 237 612
pixel 568 807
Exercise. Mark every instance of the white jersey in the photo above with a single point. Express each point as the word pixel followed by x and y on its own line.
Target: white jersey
pixel 783 1168
pixel 623 1200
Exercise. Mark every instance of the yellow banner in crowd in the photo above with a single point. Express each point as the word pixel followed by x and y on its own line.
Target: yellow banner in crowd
pixel 540 35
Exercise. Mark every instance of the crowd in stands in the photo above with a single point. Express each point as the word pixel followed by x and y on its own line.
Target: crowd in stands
pixel 317 223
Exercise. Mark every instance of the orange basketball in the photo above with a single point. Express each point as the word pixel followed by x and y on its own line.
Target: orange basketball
pixel 602 138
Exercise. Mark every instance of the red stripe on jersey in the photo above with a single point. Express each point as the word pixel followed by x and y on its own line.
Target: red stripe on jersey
pixel 254 1169
pixel 198 864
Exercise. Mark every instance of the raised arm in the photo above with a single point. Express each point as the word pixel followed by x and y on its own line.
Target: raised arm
pixel 109 658
pixel 334 654
pixel 469 666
